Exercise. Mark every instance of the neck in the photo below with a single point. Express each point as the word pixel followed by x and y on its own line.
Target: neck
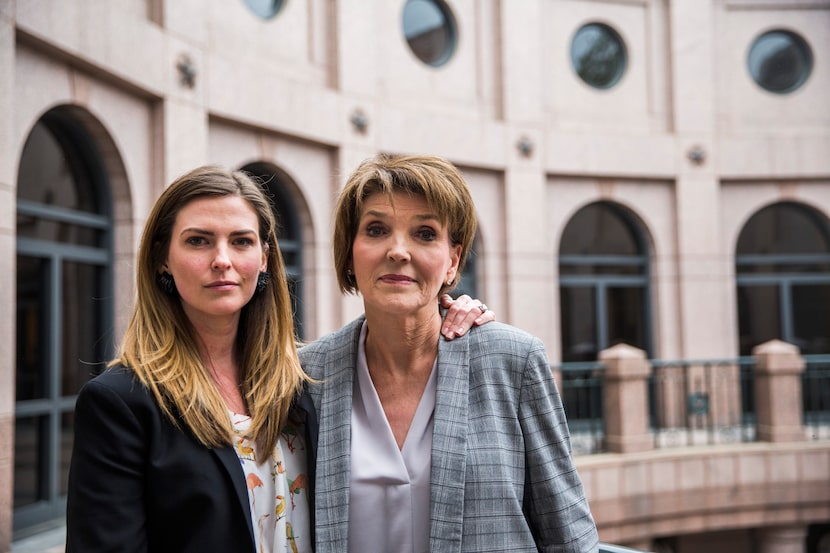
pixel 402 344
pixel 217 345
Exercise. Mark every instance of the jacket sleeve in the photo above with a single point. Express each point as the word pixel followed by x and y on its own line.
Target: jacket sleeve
pixel 555 502
pixel 105 503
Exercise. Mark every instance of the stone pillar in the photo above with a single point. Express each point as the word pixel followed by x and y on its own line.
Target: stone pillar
pixel 626 399
pixel 8 204
pixel 692 39
pixel 778 398
pixel 781 539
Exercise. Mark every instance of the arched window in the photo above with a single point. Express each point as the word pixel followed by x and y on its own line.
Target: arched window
pixel 603 283
pixel 783 278
pixel 289 233
pixel 64 304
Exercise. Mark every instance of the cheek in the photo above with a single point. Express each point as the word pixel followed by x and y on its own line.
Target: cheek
pixel 360 256
pixel 187 264
pixel 249 268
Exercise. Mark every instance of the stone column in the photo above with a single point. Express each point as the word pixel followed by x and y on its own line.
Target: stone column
pixel 8 204
pixel 626 399
pixel 692 33
pixel 778 398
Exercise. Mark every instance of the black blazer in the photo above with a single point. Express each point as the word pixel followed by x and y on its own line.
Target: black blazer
pixel 139 484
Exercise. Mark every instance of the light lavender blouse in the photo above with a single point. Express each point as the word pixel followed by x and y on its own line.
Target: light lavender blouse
pixel 389 494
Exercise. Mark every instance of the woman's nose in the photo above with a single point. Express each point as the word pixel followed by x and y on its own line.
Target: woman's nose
pixel 398 249
pixel 221 260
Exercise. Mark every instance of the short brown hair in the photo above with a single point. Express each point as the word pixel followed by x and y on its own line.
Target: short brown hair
pixel 434 178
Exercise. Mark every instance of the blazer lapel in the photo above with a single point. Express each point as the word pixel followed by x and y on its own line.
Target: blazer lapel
pixel 230 461
pixel 449 445
pixel 333 463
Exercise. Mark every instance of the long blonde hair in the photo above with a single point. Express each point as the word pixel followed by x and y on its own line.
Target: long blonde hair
pixel 161 346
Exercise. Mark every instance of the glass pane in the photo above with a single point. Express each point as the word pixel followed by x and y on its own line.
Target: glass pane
pixel 784 229
pixel 579 325
pixel 289 233
pixel 51 173
pixel 51 176
pixel 429 29
pixel 66 440
pixel 626 317
pixel 759 316
pixel 599 229
pixel 780 61
pixel 598 55
pixel 468 284
pixel 86 347
pixel 265 9
pixel 30 460
pixel 290 251
pixel 33 287
pixel 296 306
pixel 811 318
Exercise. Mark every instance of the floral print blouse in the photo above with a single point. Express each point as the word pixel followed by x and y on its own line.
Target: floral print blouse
pixel 277 489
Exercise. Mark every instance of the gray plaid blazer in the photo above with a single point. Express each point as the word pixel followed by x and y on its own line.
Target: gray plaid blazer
pixel 502 475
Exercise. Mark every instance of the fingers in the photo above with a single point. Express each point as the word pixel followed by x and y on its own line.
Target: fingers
pixel 463 314
pixel 487 317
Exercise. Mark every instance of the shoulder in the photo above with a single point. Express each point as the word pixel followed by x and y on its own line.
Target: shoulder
pixel 118 379
pixel 116 387
pixel 498 351
pixel 329 342
pixel 498 337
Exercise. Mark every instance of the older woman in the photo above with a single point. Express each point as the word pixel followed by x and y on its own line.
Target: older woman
pixel 425 444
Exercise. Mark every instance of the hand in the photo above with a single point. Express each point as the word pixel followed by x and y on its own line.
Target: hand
pixel 462 314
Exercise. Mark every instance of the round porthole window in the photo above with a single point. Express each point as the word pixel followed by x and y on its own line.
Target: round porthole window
pixel 780 61
pixel 265 9
pixel 430 31
pixel 598 55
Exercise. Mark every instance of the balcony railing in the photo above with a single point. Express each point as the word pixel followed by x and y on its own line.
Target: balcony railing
pixel 624 402
pixel 582 397
pixel 702 402
pixel 816 396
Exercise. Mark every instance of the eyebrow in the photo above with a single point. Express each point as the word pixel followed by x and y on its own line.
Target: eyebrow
pixel 206 232
pixel 385 215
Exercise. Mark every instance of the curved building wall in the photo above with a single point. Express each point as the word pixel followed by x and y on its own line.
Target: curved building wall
pixel 685 141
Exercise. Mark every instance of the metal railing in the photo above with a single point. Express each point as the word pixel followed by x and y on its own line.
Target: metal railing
pixel 582 397
pixel 702 402
pixel 815 390
pixel 691 402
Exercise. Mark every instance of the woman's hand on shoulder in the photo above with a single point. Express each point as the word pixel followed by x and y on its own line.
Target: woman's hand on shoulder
pixel 462 314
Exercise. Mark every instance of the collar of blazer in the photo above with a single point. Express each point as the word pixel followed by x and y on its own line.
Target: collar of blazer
pixel 449 442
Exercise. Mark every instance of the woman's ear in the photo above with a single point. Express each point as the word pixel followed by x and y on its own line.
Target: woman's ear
pixel 455 257
pixel 265 250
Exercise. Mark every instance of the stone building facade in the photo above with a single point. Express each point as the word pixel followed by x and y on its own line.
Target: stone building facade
pixel 654 173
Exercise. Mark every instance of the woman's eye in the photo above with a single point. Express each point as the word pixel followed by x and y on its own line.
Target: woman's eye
pixel 427 234
pixel 196 240
pixel 243 242
pixel 374 230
